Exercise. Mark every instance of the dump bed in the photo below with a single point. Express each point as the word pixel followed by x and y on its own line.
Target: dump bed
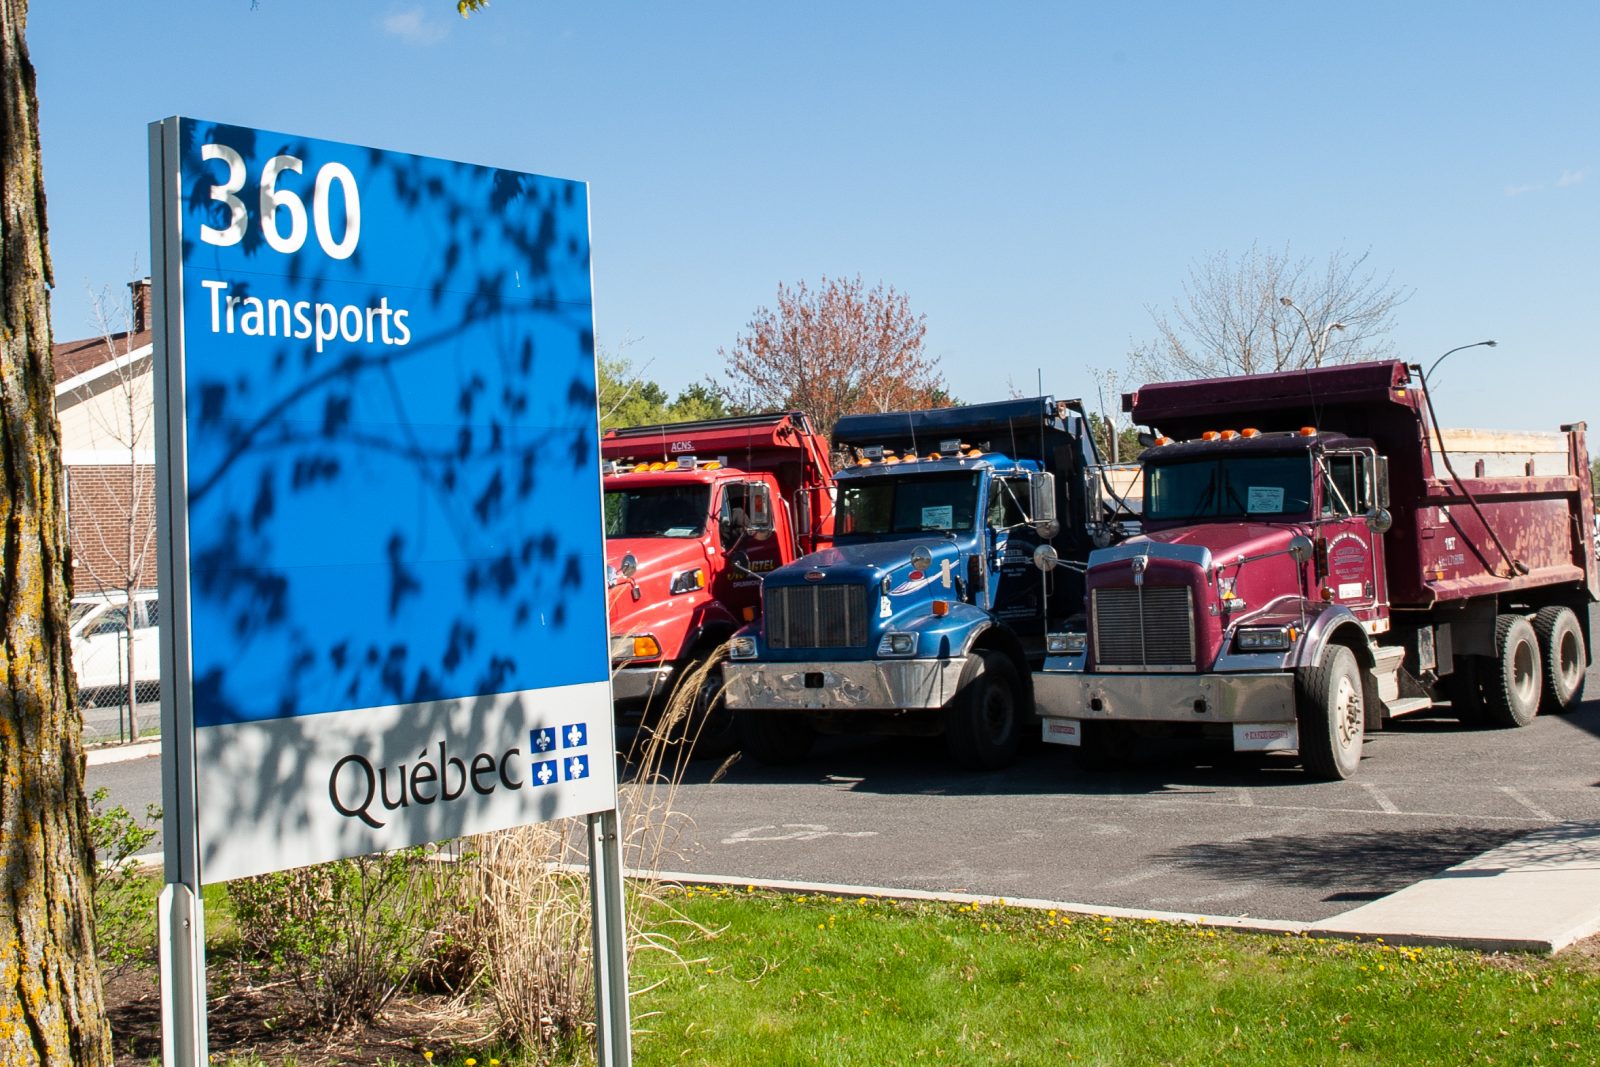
pixel 1476 512
pixel 780 443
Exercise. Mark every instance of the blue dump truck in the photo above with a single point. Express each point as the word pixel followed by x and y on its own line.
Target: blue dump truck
pixel 929 612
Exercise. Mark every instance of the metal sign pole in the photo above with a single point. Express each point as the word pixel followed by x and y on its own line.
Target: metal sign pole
pixel 613 1037
pixel 181 923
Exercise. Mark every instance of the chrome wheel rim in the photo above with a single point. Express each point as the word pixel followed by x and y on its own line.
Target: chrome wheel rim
pixel 1347 713
pixel 1523 676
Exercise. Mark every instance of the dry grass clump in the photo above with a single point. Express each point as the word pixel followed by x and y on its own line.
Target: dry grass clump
pixel 530 921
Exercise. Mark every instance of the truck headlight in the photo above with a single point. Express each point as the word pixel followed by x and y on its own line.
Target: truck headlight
pixel 688 581
pixel 1262 639
pixel 897 645
pixel 1071 643
pixel 742 648
pixel 634 646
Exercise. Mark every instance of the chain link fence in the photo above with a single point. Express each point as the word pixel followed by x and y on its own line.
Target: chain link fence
pixel 106 717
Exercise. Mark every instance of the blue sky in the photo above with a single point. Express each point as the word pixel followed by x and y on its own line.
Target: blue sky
pixel 1033 176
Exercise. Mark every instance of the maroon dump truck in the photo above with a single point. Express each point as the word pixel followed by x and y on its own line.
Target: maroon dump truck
pixel 695 512
pixel 1319 558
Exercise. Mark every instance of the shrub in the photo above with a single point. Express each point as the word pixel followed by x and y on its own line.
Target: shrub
pixel 348 935
pixel 124 896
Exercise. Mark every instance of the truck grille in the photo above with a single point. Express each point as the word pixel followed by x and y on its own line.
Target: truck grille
pixel 816 616
pixel 1144 627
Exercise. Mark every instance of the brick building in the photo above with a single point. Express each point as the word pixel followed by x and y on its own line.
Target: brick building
pixel 105 403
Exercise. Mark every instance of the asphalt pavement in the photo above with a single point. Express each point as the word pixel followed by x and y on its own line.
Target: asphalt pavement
pixel 1446 834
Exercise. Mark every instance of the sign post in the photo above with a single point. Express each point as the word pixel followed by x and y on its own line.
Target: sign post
pixel 381 556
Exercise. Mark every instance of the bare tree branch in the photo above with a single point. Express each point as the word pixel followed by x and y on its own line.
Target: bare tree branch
pixel 1232 318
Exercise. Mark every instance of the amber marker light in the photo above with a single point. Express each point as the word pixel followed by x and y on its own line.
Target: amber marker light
pixel 1308 431
pixel 941 608
pixel 1249 431
pixel 1228 435
pixel 1210 435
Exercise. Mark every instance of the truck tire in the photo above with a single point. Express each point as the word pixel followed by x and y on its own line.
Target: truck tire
pixel 710 727
pixel 1513 680
pixel 776 738
pixel 1565 658
pixel 1463 687
pixel 982 725
pixel 1332 716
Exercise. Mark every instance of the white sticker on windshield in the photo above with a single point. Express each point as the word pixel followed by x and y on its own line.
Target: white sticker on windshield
pixel 1265 499
pixel 939 518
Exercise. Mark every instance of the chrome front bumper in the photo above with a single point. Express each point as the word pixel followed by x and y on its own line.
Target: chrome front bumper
pixel 1203 698
pixel 868 685
pixel 641 683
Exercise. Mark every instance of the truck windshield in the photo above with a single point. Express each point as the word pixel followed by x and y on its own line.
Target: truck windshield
pixel 1235 487
pixel 910 503
pixel 658 511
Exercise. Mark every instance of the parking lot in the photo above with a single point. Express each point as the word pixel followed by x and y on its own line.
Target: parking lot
pixel 1194 830
pixel 1186 830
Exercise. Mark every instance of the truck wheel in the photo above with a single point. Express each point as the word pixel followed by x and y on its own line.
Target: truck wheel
pixel 1565 658
pixel 982 724
pixel 1513 682
pixel 1463 687
pixel 1332 716
pixel 776 738
pixel 710 727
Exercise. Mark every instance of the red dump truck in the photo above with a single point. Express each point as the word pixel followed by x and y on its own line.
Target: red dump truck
pixel 695 512
pixel 1319 557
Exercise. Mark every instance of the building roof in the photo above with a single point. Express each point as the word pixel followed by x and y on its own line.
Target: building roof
pixel 73 358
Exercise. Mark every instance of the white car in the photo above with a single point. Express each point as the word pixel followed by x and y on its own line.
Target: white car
pixel 99 640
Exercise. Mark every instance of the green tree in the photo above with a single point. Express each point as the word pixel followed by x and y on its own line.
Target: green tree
pixel 627 398
pixel 52 1009
pixel 1127 446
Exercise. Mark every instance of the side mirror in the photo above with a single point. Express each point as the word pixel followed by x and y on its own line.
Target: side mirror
pixel 1300 548
pixel 1045 558
pixel 1380 477
pixel 630 565
pixel 802 513
pixel 1042 505
pixel 739 560
pixel 1379 520
pixel 1146 438
pixel 758 508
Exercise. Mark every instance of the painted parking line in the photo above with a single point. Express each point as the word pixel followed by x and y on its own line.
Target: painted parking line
pixel 1379 799
pixel 1516 795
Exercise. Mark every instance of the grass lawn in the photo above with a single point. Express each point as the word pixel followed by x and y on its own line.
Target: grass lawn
pixel 779 979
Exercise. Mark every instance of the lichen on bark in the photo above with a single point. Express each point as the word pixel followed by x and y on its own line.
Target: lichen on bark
pixel 51 1007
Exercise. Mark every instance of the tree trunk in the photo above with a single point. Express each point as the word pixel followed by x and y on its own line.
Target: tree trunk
pixel 51 1009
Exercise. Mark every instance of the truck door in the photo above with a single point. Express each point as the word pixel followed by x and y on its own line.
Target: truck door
pixel 740 591
pixel 1354 552
pixel 1015 585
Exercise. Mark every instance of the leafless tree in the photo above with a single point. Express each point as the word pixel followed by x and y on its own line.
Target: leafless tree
pixel 836 351
pixel 1267 310
pixel 114 552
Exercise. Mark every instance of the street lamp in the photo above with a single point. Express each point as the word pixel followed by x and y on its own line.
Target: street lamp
pixel 1475 344
pixel 1319 344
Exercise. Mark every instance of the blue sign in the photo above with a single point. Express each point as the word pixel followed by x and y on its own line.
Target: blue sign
pixel 383 366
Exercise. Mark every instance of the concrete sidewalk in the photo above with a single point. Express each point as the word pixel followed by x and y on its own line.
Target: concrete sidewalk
pixel 1539 893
